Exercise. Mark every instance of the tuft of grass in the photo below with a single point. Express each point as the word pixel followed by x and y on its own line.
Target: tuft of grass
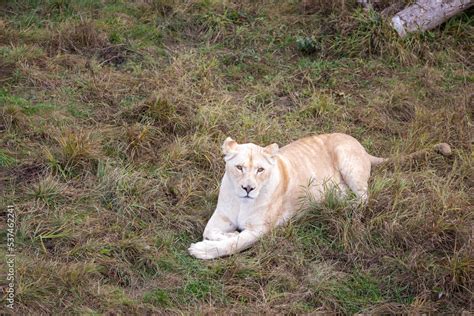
pixel 76 146
pixel 48 191
pixel 161 110
pixel 80 38
pixel 6 160
pixel 318 106
pixel 74 150
pixel 13 117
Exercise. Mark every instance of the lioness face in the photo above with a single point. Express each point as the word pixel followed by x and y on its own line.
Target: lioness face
pixel 249 167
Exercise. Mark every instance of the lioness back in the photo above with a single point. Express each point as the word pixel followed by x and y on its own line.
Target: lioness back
pixel 316 161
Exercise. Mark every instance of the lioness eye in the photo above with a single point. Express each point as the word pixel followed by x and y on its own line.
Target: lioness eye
pixel 260 170
pixel 239 167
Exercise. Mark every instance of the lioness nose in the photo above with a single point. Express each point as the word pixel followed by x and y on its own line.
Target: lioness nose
pixel 248 189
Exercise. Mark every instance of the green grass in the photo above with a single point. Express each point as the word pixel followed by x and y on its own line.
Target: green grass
pixel 26 106
pixel 157 297
pixel 6 160
pixel 357 293
pixel 112 116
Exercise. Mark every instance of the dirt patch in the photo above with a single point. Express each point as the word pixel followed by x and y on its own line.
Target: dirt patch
pixel 23 174
pixel 6 71
pixel 114 54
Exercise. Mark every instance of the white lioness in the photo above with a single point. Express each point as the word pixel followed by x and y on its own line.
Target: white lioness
pixel 262 185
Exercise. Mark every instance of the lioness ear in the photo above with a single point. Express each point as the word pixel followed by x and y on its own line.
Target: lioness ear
pixel 272 149
pixel 229 148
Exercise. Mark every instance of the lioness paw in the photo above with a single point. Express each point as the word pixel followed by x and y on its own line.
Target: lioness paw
pixel 206 249
pixel 233 234
pixel 218 235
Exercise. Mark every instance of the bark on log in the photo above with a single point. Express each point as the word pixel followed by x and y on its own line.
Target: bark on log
pixel 427 14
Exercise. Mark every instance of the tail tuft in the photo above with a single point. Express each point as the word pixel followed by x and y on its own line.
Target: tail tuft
pixel 443 148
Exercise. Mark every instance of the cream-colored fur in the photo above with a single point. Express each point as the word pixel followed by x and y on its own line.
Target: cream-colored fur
pixel 262 186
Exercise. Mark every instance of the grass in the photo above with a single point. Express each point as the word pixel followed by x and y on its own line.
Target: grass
pixel 112 118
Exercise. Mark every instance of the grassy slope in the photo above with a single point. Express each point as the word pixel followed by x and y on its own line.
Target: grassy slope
pixel 112 118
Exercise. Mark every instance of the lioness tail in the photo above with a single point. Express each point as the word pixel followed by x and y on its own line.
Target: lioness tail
pixel 441 148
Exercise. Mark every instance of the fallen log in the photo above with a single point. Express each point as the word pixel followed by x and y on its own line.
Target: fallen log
pixel 427 14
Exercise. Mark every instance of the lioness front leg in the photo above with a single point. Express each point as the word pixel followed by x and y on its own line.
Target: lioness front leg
pixel 219 227
pixel 210 249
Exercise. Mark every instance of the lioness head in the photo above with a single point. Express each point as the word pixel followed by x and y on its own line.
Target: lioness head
pixel 249 166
